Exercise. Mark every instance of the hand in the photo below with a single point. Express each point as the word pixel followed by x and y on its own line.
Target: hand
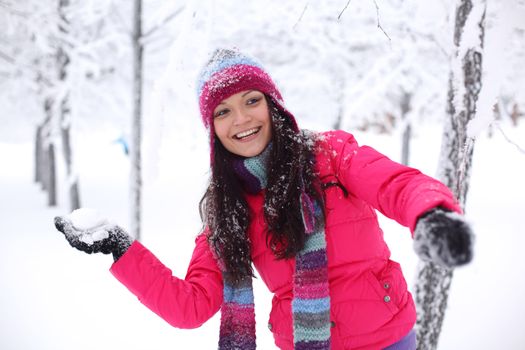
pixel 90 235
pixel 443 237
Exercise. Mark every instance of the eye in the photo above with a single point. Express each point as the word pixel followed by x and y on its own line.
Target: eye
pixel 221 113
pixel 253 100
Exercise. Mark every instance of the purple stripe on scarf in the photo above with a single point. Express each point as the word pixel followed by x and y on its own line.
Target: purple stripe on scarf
pixel 311 260
pixel 319 275
pixel 251 183
pixel 237 327
pixel 307 211
pixel 235 341
pixel 313 345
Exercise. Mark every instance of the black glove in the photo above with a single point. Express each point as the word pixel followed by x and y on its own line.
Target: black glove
pixel 443 237
pixel 103 238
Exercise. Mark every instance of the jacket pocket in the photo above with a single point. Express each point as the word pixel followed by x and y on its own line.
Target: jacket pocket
pixel 390 286
pixel 381 297
pixel 357 317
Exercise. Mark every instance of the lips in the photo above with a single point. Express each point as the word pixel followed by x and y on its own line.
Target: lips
pixel 244 134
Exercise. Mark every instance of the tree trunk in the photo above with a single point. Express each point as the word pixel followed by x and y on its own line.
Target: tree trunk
pixel 63 61
pixel 72 180
pixel 405 150
pixel 136 125
pixel 515 114
pixel 407 128
pixel 51 176
pixel 47 166
pixel 38 152
pixel 433 282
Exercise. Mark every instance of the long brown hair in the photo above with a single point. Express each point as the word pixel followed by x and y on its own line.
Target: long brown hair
pixel 224 209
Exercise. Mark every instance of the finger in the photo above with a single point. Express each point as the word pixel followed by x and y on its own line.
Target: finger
pixel 64 225
pixel 77 243
pixel 60 223
pixel 103 246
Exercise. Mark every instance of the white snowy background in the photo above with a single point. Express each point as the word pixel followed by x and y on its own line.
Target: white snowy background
pixel 54 297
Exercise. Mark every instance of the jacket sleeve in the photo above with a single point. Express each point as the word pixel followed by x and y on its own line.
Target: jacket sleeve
pixel 183 303
pixel 397 191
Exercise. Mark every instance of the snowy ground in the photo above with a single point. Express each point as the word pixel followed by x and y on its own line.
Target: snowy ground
pixel 53 297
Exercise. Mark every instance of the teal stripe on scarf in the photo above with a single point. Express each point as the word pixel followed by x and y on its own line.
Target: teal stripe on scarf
pixel 311 334
pixel 257 167
pixel 316 241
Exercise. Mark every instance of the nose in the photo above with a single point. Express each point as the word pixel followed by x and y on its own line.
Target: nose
pixel 241 117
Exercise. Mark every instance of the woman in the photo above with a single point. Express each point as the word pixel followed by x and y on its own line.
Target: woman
pixel 300 208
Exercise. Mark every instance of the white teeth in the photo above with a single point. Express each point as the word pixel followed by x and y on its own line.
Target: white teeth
pixel 246 133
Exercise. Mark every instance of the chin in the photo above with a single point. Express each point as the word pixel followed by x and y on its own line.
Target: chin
pixel 248 152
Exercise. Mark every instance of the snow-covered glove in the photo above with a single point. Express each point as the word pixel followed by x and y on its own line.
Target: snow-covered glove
pixel 443 237
pixel 87 231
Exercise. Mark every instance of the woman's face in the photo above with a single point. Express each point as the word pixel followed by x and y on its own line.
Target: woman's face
pixel 242 123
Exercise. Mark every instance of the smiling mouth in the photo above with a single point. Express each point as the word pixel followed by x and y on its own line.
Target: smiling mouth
pixel 247 133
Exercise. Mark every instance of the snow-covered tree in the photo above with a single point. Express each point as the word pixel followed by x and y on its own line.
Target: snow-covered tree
pixel 433 282
pixel 63 101
pixel 136 123
pixel 149 27
pixel 32 69
pixel 54 46
pixel 502 94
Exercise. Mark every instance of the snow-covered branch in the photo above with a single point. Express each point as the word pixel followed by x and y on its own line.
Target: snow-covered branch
pixel 162 23
pixel 497 46
pixel 7 58
pixel 125 27
pixel 431 37
pixel 10 8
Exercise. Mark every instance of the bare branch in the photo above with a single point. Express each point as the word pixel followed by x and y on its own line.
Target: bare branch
pixel 509 140
pixel 379 23
pixel 163 23
pixel 301 16
pixel 11 10
pixel 7 57
pixel 344 9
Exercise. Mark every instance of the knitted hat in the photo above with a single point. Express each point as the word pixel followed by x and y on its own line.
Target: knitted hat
pixel 227 73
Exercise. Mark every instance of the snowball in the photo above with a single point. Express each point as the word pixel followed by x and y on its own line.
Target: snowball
pixel 86 219
pixel 95 236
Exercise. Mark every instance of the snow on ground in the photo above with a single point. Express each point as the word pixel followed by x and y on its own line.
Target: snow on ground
pixel 54 297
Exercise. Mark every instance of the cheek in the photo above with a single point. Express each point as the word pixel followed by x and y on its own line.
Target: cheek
pixel 269 126
pixel 269 131
pixel 220 130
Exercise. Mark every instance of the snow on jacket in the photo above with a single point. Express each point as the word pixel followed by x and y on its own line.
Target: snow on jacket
pixel 370 305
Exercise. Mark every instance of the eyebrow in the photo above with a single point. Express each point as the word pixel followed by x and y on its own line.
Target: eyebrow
pixel 246 93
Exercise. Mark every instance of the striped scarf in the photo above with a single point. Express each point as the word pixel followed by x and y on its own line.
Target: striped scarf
pixel 311 302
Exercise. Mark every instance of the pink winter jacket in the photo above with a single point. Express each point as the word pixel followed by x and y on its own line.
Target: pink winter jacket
pixel 370 305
